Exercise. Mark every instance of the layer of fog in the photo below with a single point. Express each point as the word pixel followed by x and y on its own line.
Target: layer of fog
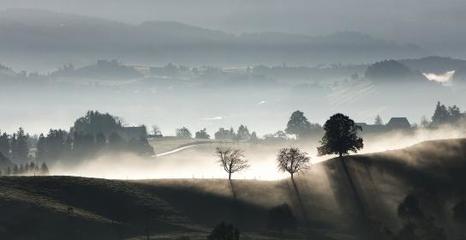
pixel 201 162
pixel 263 108
pixel 395 20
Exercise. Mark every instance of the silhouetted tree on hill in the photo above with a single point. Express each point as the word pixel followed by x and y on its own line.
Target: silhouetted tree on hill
pixel 341 137
pixel 292 160
pixel 232 160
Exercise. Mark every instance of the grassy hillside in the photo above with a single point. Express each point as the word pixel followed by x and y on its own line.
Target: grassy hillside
pixel 83 208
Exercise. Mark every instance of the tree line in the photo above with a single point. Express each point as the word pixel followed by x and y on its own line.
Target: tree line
pixel 92 134
pixel 28 169
pixel 242 134
pixel 340 137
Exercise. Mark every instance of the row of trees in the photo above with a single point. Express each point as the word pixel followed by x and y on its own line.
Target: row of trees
pixel 341 137
pixel 15 146
pixel 91 134
pixel 60 144
pixel 299 126
pixel 446 115
pixel 28 169
pixel 242 134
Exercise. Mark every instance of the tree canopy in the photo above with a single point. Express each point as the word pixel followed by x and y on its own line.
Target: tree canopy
pixel 292 160
pixel 95 122
pixel 298 125
pixel 341 136
pixel 232 160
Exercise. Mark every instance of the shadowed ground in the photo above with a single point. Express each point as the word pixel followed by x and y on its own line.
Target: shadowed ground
pixel 85 208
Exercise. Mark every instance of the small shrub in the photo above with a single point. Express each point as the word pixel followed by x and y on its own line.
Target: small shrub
pixel 224 231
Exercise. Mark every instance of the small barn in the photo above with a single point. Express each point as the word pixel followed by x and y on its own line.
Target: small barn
pixel 398 123
pixel 129 133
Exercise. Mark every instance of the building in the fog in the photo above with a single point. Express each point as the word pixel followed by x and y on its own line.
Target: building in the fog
pixel 398 123
pixel 394 124
pixel 136 133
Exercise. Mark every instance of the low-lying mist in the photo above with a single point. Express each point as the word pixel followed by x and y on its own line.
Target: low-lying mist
pixel 201 162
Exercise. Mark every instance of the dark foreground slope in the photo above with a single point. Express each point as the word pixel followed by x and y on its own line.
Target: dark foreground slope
pixel 326 206
pixel 419 190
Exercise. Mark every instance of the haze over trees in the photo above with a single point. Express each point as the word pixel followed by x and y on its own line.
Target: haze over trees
pixel 242 134
pixel 95 133
pixel 394 71
pixel 26 169
pixel 446 115
pixel 202 134
pixel 298 125
pixel 19 146
pixel 183 132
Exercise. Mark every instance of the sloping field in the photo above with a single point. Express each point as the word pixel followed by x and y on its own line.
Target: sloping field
pixel 325 205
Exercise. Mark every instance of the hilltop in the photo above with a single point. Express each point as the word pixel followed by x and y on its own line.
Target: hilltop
pixel 60 207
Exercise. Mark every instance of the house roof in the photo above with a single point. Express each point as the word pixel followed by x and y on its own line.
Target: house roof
pixel 398 122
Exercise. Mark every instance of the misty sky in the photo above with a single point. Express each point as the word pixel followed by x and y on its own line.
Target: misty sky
pixel 424 22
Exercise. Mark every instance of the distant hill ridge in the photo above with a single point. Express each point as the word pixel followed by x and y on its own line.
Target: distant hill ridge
pixel 35 33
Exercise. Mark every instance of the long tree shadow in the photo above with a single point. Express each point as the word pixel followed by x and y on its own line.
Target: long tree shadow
pixel 300 201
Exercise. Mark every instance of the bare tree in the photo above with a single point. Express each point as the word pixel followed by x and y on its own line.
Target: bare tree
pixel 292 160
pixel 232 160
